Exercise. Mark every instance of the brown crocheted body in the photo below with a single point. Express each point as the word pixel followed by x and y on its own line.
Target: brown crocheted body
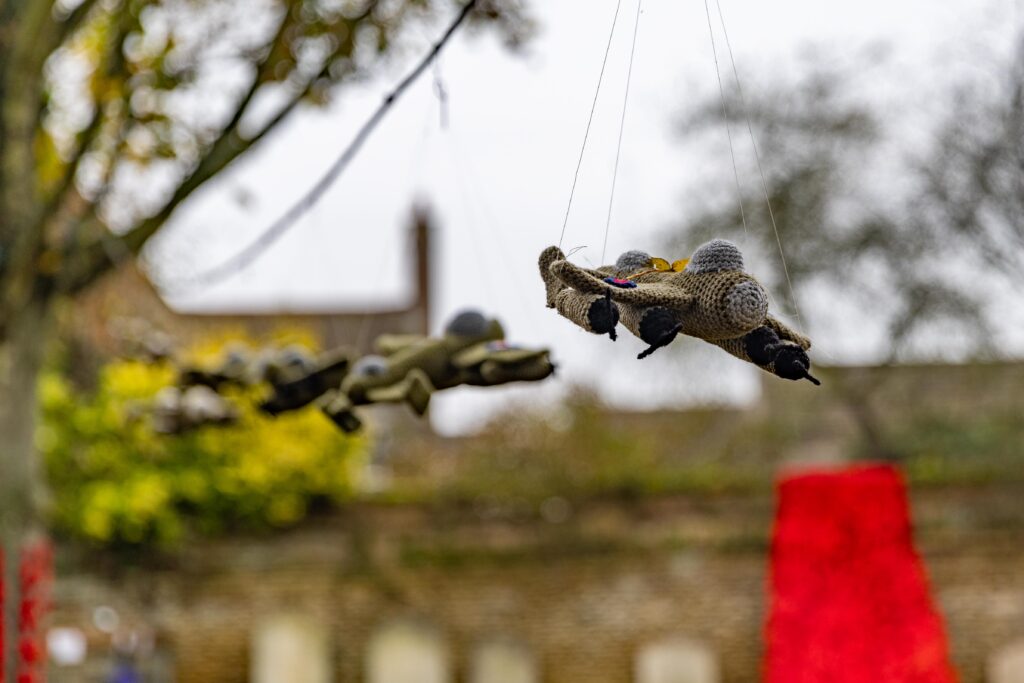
pixel 727 308
pixel 705 303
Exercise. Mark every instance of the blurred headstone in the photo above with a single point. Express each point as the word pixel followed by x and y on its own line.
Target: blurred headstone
pixel 1007 665
pixel 66 645
pixel 407 652
pixel 676 661
pixel 291 648
pixel 501 661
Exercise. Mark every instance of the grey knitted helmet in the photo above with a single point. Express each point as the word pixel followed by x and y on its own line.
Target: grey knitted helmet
pixel 633 260
pixel 296 356
pixel 236 359
pixel 714 256
pixel 370 366
pixel 467 324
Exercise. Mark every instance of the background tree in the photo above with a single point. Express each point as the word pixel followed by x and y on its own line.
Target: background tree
pixel 910 234
pixel 117 482
pixel 112 113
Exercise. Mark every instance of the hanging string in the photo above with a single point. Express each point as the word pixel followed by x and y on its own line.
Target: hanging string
pixel 476 192
pixel 415 180
pixel 441 92
pixel 760 168
pixel 622 127
pixel 590 121
pixel 725 118
pixel 482 260
pixel 288 220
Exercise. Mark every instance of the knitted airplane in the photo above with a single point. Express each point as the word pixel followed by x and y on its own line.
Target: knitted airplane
pixel 240 367
pixel 231 370
pixel 176 411
pixel 711 297
pixel 410 368
pixel 299 387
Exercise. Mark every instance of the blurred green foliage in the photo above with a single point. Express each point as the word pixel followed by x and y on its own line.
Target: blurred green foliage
pixel 985 449
pixel 585 450
pixel 116 482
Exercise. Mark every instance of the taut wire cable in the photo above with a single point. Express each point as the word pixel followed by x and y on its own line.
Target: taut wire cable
pixel 622 127
pixel 590 121
pixel 760 168
pixel 725 119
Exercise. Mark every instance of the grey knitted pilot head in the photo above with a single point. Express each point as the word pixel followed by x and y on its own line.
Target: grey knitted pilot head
pixel 236 360
pixel 467 324
pixel 370 366
pixel 715 256
pixel 296 356
pixel 633 260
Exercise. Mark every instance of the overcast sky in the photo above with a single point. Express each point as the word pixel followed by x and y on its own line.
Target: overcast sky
pixel 497 179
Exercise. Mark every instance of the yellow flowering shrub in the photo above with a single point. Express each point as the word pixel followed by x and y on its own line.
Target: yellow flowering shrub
pixel 115 481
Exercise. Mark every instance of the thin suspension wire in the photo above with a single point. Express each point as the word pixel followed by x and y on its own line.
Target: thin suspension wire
pixel 760 168
pixel 725 118
pixel 622 128
pixel 590 121
pixel 416 165
pixel 477 192
pixel 441 92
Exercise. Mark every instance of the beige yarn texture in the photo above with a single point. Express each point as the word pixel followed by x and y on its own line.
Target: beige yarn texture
pixel 713 298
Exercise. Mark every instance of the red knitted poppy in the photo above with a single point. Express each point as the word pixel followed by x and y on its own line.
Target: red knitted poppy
pixel 849 598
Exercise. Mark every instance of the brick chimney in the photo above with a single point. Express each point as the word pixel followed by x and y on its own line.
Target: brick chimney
pixel 421 230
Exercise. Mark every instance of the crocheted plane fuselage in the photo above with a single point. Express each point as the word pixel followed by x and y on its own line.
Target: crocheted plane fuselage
pixel 712 299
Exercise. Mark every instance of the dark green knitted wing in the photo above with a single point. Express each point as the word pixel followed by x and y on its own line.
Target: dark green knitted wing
pixel 390 344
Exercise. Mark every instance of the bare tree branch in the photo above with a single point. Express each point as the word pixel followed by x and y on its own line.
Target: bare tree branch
pixel 277 229
pixel 112 65
pixel 71 23
pixel 94 258
pixel 262 69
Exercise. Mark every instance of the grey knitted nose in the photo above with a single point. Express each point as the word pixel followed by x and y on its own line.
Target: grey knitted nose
pixel 715 256
pixel 747 304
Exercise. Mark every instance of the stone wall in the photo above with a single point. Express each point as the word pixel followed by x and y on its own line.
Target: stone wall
pixel 607 595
